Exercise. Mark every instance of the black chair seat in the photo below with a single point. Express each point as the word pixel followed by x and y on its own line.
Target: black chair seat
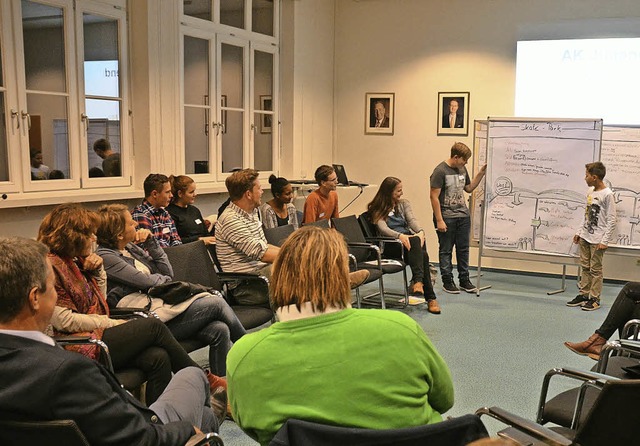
pixel 559 409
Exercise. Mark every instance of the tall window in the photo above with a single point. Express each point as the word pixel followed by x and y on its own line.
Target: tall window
pixel 67 93
pixel 230 55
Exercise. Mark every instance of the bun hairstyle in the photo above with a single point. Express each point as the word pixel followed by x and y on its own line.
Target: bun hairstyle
pixel 179 183
pixel 277 184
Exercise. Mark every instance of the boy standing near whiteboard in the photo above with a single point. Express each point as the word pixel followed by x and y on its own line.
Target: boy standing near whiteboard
pixel 451 216
pixel 594 236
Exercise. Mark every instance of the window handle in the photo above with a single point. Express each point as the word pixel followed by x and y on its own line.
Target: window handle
pixel 27 116
pixel 14 114
pixel 85 121
pixel 221 127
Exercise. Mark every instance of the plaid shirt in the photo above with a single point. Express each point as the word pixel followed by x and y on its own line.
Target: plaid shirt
pixel 159 222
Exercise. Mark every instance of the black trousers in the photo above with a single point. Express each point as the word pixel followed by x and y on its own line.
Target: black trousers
pixel 624 308
pixel 148 345
pixel 418 259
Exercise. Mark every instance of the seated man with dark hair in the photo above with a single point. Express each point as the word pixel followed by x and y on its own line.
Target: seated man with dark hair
pixel 151 213
pixel 43 382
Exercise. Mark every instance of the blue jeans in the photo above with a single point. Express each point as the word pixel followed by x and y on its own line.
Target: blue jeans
pixel 211 320
pixel 458 235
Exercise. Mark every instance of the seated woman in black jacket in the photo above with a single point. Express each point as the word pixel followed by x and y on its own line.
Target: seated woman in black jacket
pixel 189 222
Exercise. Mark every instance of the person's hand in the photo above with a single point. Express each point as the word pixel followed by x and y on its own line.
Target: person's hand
pixel 602 247
pixel 483 170
pixel 441 226
pixel 404 238
pixel 576 239
pixel 91 262
pixel 142 235
pixel 210 240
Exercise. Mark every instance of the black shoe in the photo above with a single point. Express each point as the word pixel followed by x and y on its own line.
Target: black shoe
pixel 450 288
pixel 592 304
pixel 218 402
pixel 466 285
pixel 578 301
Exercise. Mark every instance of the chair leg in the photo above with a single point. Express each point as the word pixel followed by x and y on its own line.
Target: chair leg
pixel 381 288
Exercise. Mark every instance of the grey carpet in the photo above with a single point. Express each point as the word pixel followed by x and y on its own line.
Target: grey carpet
pixel 499 345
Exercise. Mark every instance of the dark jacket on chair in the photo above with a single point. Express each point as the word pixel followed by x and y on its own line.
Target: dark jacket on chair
pixel 41 382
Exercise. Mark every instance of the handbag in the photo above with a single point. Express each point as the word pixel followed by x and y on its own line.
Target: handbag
pixel 178 291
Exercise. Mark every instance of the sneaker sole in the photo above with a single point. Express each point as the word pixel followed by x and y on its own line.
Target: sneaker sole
pixel 590 308
pixel 450 292
pixel 580 304
pixel 469 290
pixel 576 351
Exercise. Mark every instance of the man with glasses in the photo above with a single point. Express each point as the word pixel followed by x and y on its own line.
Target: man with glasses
pixel 322 203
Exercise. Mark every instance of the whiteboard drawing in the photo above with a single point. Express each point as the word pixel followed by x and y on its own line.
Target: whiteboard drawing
pixel 621 156
pixel 535 190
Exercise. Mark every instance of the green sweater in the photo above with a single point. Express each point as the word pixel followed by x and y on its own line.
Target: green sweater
pixel 372 369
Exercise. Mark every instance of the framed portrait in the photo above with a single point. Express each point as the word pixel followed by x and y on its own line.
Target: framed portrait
pixel 266 103
pixel 453 113
pixel 379 113
pixel 223 113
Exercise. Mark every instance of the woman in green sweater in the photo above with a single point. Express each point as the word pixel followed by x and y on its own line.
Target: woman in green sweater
pixel 327 362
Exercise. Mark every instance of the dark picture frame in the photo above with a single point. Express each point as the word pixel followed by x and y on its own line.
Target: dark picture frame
pixel 461 120
pixel 266 119
pixel 376 103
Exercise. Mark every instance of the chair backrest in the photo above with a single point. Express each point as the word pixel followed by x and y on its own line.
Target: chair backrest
pixel 276 236
pixel 191 262
pixel 367 226
pixel 324 223
pixel 21 433
pixel 613 418
pixel 350 228
pixel 454 432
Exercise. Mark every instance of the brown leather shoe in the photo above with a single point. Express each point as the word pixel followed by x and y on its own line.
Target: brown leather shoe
pixel 215 381
pixel 591 347
pixel 433 307
pixel 357 278
pixel 417 289
pixel 218 403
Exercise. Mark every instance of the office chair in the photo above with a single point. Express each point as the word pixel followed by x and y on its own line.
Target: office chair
pixel 453 432
pixel 368 256
pixel 612 419
pixel 192 262
pixel 67 432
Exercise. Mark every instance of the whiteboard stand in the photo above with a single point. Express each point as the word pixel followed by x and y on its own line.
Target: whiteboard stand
pixel 479 273
pixel 564 283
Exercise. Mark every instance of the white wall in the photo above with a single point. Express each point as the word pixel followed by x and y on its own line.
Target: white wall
pixel 417 48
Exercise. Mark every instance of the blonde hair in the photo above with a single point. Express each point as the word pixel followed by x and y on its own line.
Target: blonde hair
pixel 312 266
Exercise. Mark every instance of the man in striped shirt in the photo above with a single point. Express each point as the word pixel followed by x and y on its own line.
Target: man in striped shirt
pixel 240 242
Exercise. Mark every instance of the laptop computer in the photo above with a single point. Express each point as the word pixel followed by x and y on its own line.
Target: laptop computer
pixel 342 177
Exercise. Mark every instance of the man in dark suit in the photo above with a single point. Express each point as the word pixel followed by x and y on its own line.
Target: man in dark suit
pixel 453 119
pixel 379 116
pixel 41 381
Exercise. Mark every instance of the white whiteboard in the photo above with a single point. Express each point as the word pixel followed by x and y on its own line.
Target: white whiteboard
pixel 621 156
pixel 535 189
